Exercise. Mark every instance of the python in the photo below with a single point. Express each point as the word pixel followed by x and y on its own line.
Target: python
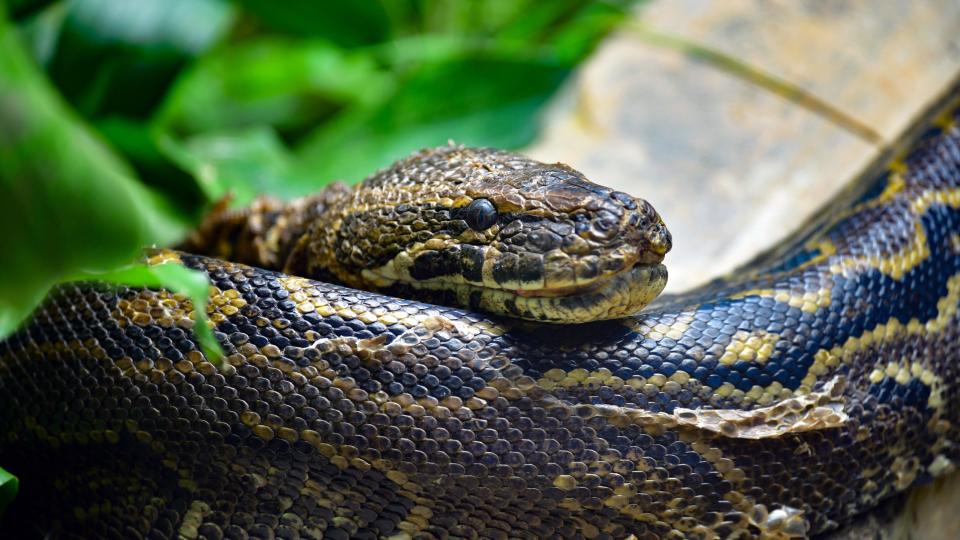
pixel 781 401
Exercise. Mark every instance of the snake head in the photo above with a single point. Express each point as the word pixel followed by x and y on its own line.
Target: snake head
pixel 496 231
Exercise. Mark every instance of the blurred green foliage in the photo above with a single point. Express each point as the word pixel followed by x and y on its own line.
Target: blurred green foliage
pixel 122 120
pixel 8 489
pixel 69 204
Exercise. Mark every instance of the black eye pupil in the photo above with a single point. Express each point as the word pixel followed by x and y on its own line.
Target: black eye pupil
pixel 480 214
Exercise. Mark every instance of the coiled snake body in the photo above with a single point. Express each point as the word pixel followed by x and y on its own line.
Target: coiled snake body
pixel 779 402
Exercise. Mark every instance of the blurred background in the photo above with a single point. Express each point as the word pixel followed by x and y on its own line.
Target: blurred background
pixel 122 121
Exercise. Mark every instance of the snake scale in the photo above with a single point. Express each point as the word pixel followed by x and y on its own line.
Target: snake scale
pixel 778 402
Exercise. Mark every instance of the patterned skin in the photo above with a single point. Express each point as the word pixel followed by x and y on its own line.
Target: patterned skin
pixel 782 402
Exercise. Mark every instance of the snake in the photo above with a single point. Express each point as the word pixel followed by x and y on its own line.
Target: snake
pixel 470 344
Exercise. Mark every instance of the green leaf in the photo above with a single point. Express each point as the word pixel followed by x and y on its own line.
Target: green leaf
pixel 26 8
pixel 120 57
pixel 242 164
pixel 474 101
pixel 8 489
pixel 576 38
pixel 534 23
pixel 290 85
pixel 41 31
pixel 141 144
pixel 347 24
pixel 176 278
pixel 188 26
pixel 66 201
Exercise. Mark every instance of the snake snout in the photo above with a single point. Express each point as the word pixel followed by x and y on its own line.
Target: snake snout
pixel 643 229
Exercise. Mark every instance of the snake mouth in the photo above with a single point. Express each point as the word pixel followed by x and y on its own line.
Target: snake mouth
pixel 611 297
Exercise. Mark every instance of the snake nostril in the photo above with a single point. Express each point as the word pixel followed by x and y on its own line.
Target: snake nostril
pixel 660 238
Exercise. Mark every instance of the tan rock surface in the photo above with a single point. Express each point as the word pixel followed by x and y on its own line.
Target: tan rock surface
pixel 732 165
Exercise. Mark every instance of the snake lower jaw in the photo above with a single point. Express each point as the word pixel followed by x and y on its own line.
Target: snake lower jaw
pixel 609 297
pixel 613 297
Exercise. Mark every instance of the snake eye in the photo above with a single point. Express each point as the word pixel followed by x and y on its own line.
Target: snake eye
pixel 480 214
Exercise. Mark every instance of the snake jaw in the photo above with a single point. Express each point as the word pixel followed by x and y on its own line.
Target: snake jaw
pixel 620 295
pixel 609 297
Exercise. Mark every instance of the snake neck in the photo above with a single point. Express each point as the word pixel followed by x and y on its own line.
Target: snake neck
pixel 275 234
